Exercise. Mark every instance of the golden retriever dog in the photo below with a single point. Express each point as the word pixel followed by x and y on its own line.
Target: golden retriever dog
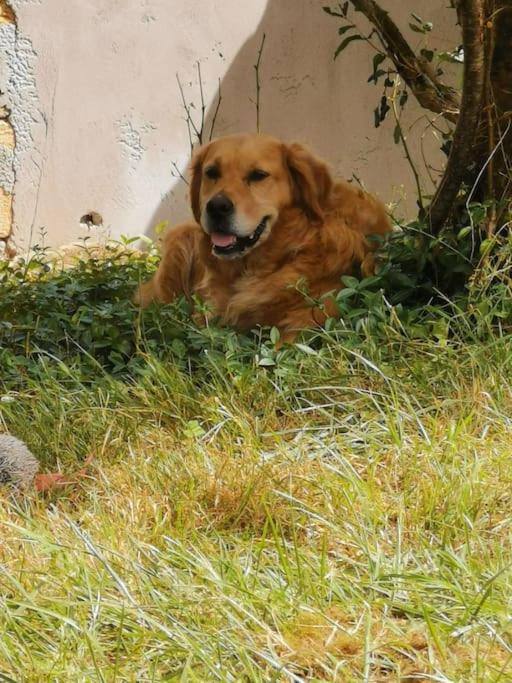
pixel 270 225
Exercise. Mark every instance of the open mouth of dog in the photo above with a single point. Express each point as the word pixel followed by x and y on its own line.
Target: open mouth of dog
pixel 232 245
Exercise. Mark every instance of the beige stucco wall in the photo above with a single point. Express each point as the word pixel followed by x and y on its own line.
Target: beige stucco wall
pixel 98 118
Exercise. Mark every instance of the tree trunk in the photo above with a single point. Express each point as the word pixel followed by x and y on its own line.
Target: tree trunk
pixel 486 171
pixel 499 136
pixel 471 16
pixel 480 160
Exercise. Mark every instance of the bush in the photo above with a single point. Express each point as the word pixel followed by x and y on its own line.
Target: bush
pixel 52 317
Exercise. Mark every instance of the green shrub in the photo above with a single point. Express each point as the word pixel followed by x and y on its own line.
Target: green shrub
pixel 52 318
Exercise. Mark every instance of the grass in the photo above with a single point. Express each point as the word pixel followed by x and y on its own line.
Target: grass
pixel 336 511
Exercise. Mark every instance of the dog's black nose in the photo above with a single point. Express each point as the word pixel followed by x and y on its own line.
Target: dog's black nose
pixel 219 206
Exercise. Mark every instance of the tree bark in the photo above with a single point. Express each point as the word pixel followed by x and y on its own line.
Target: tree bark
pixel 500 105
pixel 471 15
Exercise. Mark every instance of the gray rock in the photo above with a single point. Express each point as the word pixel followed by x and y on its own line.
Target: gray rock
pixel 17 464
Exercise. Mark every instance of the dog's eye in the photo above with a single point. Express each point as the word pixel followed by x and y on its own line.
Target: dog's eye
pixel 257 175
pixel 212 172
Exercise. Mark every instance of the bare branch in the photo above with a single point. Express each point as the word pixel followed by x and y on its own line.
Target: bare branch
pixel 407 152
pixel 471 14
pixel 415 71
pixel 258 86
pixel 203 103
pixel 188 117
pixel 177 173
pixel 214 119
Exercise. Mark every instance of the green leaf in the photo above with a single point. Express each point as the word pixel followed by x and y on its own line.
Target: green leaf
pixel 160 227
pixel 427 54
pixel 425 27
pixel 465 231
pixel 350 281
pixel 404 96
pixel 343 29
pixel 193 430
pixel 369 281
pixel 377 61
pixel 275 335
pixel 345 43
pixel 331 12
pixel 375 76
pixel 397 134
pixel 357 313
pixel 306 349
pixel 486 246
pixel 345 293
pixel 376 117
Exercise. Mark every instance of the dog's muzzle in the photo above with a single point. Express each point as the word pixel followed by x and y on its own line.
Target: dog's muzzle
pixel 230 244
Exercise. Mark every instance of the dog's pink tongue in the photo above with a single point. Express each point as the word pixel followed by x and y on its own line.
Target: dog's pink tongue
pixel 219 239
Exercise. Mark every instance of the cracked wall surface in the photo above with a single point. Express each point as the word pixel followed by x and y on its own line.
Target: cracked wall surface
pixel 7 138
pixel 21 117
pixel 92 121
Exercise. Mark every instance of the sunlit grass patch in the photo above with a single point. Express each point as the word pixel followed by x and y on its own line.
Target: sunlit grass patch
pixel 340 512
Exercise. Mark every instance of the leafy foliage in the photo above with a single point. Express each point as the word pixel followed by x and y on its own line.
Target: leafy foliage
pixel 54 318
pixel 83 317
pixel 84 311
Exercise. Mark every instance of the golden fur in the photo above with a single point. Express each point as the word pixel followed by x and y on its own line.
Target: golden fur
pixel 314 231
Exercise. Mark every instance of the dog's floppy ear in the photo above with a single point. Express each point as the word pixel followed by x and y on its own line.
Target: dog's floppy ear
pixel 311 179
pixel 196 172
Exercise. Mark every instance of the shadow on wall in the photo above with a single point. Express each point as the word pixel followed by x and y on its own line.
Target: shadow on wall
pixel 289 58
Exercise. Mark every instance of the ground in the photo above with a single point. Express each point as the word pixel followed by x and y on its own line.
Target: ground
pixel 337 511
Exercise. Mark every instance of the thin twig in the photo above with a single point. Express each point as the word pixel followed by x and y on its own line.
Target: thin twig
pixel 406 148
pixel 188 118
pixel 258 86
pixel 193 129
pixel 482 171
pixel 427 165
pixel 214 119
pixel 203 105
pixel 431 125
pixel 178 173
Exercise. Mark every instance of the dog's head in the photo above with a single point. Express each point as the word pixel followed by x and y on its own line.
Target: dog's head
pixel 240 185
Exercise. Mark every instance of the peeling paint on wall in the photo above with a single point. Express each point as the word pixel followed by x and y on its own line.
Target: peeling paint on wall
pixel 19 3
pixel 130 139
pixel 7 137
pixel 20 104
pixel 21 86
